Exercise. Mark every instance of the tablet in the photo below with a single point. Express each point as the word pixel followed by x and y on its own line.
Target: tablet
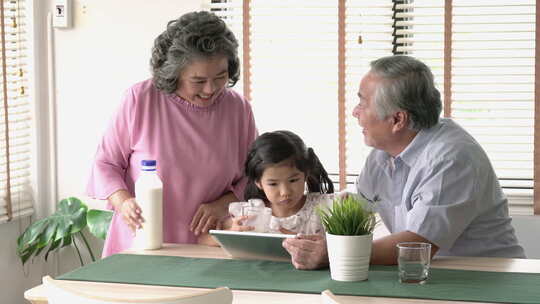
pixel 253 245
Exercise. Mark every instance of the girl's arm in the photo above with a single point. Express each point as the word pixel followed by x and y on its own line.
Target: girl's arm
pixel 237 224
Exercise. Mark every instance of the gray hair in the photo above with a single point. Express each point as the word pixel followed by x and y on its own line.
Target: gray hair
pixel 194 35
pixel 408 85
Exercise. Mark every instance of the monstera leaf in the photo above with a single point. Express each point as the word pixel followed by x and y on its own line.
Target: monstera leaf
pixel 98 222
pixel 59 230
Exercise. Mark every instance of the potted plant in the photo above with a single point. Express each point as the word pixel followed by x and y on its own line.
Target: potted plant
pixel 63 228
pixel 349 226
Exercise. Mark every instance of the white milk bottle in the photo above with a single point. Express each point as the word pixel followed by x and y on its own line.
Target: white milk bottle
pixel 149 196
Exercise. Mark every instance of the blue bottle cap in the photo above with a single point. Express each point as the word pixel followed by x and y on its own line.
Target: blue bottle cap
pixel 147 162
pixel 148 165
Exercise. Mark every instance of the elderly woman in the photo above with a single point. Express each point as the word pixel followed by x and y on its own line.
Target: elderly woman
pixel 188 119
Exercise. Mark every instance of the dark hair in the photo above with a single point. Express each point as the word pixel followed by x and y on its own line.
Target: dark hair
pixel 194 35
pixel 274 147
pixel 408 85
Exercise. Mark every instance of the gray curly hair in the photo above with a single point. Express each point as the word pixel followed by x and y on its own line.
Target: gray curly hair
pixel 408 85
pixel 194 35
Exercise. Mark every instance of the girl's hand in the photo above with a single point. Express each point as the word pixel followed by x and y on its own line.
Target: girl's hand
pixel 237 224
pixel 131 214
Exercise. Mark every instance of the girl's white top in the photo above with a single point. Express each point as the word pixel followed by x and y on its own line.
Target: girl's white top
pixel 305 221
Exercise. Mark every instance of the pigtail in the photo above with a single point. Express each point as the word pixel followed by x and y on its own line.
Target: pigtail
pixel 274 147
pixel 252 167
pixel 317 179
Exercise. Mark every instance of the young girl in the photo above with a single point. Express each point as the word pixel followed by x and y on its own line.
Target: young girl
pixel 279 166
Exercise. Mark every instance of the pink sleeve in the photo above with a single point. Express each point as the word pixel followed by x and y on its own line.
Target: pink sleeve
pixel 251 133
pixel 112 157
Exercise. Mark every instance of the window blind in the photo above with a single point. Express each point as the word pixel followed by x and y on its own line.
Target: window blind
pixel 492 77
pixel 490 60
pixel 231 11
pixel 15 116
pixel 293 64
pixel 369 35
pixel 294 68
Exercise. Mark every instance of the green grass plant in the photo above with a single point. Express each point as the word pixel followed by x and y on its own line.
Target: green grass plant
pixel 349 215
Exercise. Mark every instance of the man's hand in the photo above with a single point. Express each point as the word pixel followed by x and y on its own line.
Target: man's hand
pixel 307 251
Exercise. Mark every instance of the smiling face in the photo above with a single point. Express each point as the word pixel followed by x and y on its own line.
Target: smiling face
pixel 377 132
pixel 203 80
pixel 284 186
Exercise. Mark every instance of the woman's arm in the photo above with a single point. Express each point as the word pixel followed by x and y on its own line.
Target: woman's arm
pixel 209 214
pixel 208 240
pixel 126 205
pixel 111 161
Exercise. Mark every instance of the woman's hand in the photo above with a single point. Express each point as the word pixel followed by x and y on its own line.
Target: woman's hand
pixel 127 206
pixel 131 214
pixel 238 224
pixel 208 216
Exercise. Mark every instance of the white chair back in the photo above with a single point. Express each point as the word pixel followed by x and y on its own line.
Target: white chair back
pixel 61 294
pixel 327 297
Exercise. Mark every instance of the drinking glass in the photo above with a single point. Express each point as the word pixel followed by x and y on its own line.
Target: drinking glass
pixel 259 217
pixel 413 262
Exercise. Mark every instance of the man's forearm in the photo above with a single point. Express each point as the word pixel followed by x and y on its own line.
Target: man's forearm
pixel 384 250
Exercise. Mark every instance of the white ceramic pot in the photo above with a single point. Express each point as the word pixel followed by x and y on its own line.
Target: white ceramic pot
pixel 349 256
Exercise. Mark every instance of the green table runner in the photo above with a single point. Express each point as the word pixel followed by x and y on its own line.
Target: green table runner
pixel 443 284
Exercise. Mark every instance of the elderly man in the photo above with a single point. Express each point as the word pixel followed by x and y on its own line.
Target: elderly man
pixel 428 179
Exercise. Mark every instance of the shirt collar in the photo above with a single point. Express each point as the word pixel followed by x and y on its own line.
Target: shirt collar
pixel 410 154
pixel 419 143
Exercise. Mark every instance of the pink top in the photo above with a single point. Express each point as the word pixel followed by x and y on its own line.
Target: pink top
pixel 200 155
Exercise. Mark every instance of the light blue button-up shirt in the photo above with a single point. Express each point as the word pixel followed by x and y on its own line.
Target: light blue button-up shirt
pixel 443 188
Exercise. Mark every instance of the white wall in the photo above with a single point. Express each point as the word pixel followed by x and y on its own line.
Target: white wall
pixel 106 51
pixel 14 279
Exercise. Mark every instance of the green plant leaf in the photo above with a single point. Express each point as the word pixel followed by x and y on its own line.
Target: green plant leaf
pixel 53 247
pixel 349 215
pixel 98 222
pixel 40 249
pixel 68 240
pixel 26 254
pixel 47 234
pixel 69 218
pixel 31 233
pixel 73 211
pixel 62 229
